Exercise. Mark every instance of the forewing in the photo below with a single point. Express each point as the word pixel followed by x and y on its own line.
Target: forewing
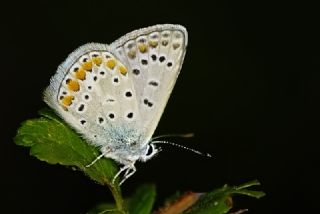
pixel 92 91
pixel 154 56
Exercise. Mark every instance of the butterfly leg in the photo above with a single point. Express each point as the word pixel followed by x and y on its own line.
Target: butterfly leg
pixel 129 172
pixel 120 171
pixel 105 151
pixel 95 160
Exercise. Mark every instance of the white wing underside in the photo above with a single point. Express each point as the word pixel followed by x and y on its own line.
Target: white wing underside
pixel 171 43
pixel 147 64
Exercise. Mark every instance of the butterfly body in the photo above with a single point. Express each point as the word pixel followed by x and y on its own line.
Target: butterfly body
pixel 114 95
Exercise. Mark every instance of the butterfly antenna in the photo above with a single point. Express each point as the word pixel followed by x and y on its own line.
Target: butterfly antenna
pixel 187 135
pixel 182 147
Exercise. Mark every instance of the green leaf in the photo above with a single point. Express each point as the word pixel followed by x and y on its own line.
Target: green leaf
pixel 52 141
pixel 142 201
pixel 105 208
pixel 219 201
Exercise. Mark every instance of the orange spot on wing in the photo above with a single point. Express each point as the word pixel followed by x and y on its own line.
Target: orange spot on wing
pixel 81 74
pixel 87 65
pixel 67 100
pixel 153 43
pixel 97 60
pixel 73 85
pixel 143 48
pixel 111 63
pixel 123 70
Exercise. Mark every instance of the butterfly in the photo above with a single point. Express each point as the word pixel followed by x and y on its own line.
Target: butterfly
pixel 114 95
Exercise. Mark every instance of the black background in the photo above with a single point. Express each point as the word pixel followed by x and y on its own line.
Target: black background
pixel 249 90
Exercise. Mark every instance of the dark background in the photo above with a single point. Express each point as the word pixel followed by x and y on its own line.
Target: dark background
pixel 249 90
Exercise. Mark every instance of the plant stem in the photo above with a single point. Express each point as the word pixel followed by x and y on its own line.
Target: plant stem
pixel 116 193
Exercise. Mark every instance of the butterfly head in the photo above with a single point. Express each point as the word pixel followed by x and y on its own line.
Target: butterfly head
pixel 149 152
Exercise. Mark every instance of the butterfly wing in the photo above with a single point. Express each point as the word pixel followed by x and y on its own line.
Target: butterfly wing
pixel 154 56
pixel 114 95
pixel 94 94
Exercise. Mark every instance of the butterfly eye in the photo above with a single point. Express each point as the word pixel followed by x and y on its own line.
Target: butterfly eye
pixel 149 150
